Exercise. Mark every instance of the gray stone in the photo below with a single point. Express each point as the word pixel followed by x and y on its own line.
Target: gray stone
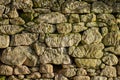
pixel 64 28
pixel 53 18
pixel 23 39
pixel 76 7
pixel 6 70
pixel 88 17
pixel 109 19
pixel 78 27
pixel 91 35
pixel 17 21
pixel 40 28
pixel 10 29
pixel 99 78
pixel 20 55
pixel 21 70
pixel 2 8
pixel 87 63
pixel 54 56
pixel 112 39
pixel 61 40
pixel 4 41
pixel 101 7
pixel 74 18
pixel 81 78
pixel 110 59
pixel 88 51
pixel 109 71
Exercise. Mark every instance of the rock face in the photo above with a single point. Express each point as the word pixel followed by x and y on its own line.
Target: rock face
pixel 53 18
pixel 76 7
pixel 20 55
pixel 61 40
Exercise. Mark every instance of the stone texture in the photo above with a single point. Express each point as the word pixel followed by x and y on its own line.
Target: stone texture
pixel 4 41
pixel 74 18
pixel 110 59
pixel 81 71
pixel 118 70
pixel 40 28
pixel 2 8
pixel 53 18
pixel 10 29
pixel 20 54
pixel 91 35
pixel 109 71
pixel 88 63
pixel 99 78
pixel 46 68
pixel 23 39
pixel 76 7
pixel 106 18
pixel 55 56
pixel 100 7
pixel 81 78
pixel 35 75
pixel 64 28
pixel 48 75
pixel 21 70
pixel 88 17
pixel 5 2
pixel 60 77
pixel 17 21
pixel 61 40
pixel 78 27
pixel 13 13
pixel 116 8
pixel 6 70
pixel 88 51
pixel 112 39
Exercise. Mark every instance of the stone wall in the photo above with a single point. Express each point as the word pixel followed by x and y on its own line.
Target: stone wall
pixel 59 39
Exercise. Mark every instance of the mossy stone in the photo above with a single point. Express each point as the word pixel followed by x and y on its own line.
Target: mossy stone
pixel 2 77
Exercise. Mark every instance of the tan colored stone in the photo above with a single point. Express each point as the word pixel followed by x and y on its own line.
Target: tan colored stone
pixel 17 21
pixel 21 70
pixel 91 35
pixel 53 18
pixel 76 7
pixel 109 71
pixel 61 40
pixel 46 68
pixel 35 75
pixel 118 70
pixel 2 8
pixel 6 70
pixel 64 28
pixel 48 75
pixel 99 78
pixel 23 39
pixel 81 78
pixel 4 41
pixel 74 18
pixel 60 77
pixel 81 71
pixel 13 13
pixel 87 63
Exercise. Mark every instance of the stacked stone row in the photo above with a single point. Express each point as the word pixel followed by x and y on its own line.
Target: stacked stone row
pixel 59 39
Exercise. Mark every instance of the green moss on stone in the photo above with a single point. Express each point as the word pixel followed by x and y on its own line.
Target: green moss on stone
pixel 2 77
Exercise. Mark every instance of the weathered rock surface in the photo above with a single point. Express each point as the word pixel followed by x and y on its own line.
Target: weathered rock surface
pixel 100 7
pixel 41 28
pixel 6 70
pixel 17 21
pixel 109 71
pixel 81 78
pixel 21 70
pixel 99 78
pixel 53 18
pixel 55 56
pixel 60 77
pixel 88 51
pixel 35 75
pixel 2 8
pixel 91 35
pixel 61 40
pixel 110 59
pixel 116 8
pixel 74 18
pixel 4 41
pixel 112 39
pixel 23 39
pixel 46 68
pixel 76 7
pixel 10 29
pixel 64 28
pixel 20 55
pixel 88 63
